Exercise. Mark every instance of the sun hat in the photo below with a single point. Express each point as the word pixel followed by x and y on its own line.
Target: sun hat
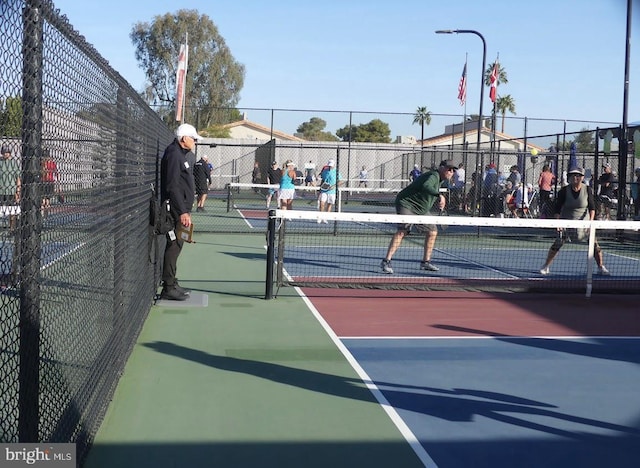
pixel 576 170
pixel 187 130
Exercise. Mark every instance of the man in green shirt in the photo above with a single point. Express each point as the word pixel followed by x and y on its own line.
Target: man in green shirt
pixel 418 198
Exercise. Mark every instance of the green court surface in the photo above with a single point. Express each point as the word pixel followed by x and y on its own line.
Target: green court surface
pixel 241 382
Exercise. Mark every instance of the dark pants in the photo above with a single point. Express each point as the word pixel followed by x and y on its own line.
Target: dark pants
pixel 170 265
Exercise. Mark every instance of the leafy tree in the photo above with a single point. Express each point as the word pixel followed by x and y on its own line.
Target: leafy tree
pixel 214 77
pixel 215 131
pixel 501 79
pixel 505 104
pixel 313 130
pixel 585 142
pixel 375 131
pixel 11 117
pixel 422 117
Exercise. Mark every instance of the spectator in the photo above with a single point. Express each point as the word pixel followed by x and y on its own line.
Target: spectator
pixel 458 188
pixel 176 181
pixel 363 177
pixel 490 190
pixel 545 180
pixel 507 198
pixel 256 176
pixel 202 177
pixel 309 173
pixel 50 181
pixel 10 183
pixel 607 188
pixel 522 199
pixel 635 195
pixel 514 176
pixel 415 173
pixel 274 174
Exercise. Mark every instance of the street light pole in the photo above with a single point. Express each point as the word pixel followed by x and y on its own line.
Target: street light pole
pixel 484 64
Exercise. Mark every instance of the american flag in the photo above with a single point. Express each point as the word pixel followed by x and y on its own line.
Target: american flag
pixel 462 87
pixel 493 79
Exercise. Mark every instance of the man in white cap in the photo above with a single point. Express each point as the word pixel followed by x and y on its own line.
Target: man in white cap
pixel 575 201
pixel 177 186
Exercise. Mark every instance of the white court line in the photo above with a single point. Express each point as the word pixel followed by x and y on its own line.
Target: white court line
pixel 490 337
pixel 409 436
pixel 244 218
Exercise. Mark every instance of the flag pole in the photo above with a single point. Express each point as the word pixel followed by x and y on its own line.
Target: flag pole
pixel 184 87
pixel 181 79
pixel 464 117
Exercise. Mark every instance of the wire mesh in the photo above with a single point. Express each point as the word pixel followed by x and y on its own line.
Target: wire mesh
pixel 493 254
pixel 75 275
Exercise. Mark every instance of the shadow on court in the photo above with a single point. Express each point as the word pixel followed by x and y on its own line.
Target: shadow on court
pixel 568 445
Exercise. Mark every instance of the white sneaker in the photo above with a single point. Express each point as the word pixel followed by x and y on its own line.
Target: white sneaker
pixel 603 271
pixel 325 221
pixel 544 271
pixel 319 220
pixel 428 266
pixel 386 267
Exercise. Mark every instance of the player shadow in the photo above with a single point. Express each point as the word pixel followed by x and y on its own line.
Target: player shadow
pixel 599 349
pixel 458 405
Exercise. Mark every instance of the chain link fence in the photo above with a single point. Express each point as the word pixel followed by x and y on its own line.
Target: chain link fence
pixel 77 277
pixel 387 168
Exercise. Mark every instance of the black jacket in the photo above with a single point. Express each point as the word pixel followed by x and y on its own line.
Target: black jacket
pixel 176 178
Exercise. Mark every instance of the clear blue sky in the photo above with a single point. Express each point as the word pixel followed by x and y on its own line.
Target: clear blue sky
pixel 564 58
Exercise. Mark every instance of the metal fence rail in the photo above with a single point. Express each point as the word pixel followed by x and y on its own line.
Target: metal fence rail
pixel 75 276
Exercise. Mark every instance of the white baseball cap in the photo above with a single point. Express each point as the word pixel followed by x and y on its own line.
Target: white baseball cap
pixel 331 163
pixel 187 130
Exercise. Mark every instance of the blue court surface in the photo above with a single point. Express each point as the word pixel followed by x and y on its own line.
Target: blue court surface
pixel 51 253
pixel 511 402
pixel 327 261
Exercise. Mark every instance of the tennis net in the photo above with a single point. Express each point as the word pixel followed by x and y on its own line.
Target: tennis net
pixel 307 248
pixel 249 197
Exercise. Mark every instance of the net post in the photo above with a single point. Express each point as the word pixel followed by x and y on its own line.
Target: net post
pixel 228 198
pixel 271 237
pixel 590 251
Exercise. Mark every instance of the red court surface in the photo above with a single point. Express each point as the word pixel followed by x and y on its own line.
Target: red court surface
pixel 378 313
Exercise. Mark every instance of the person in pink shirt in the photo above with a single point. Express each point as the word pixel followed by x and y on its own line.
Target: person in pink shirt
pixel 545 181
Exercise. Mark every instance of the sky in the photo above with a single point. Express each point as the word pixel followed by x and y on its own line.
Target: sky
pixel 360 60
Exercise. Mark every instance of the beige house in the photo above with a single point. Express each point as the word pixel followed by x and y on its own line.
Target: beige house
pixel 247 130
pixel 454 136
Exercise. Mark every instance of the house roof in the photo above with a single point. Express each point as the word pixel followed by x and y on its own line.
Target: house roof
pixel 445 138
pixel 262 129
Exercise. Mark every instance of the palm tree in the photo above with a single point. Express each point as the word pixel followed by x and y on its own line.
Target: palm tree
pixel 421 117
pixel 502 75
pixel 505 104
pixel 501 79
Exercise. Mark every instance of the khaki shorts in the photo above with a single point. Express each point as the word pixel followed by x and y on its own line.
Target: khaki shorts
pixel 421 228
